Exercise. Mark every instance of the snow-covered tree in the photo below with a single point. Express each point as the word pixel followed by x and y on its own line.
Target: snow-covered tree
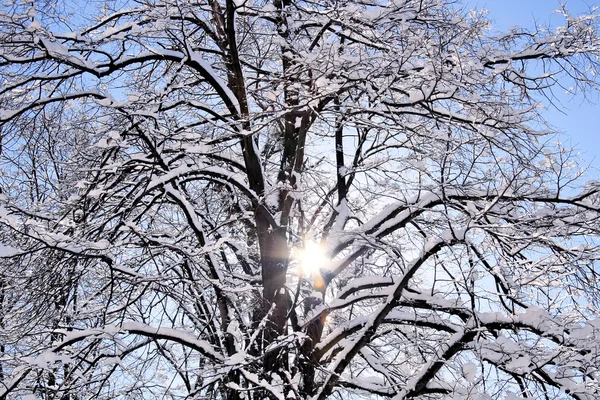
pixel 249 199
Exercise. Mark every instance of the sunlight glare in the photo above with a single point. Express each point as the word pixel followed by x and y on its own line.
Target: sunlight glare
pixel 313 257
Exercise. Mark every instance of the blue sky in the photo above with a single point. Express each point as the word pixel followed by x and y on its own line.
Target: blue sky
pixel 580 120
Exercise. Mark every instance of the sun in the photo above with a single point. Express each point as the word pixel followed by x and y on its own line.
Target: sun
pixel 313 257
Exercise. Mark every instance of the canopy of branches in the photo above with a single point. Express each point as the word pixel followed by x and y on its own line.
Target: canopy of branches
pixel 286 199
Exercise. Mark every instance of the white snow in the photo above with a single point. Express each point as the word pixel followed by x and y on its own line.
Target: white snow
pixel 8 251
pixel 171 334
pixel 276 392
pixel 469 371
pixel 235 359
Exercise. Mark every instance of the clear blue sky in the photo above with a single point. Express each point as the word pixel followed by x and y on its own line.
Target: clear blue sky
pixel 580 120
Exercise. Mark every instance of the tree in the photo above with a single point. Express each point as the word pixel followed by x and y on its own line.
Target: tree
pixel 173 169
